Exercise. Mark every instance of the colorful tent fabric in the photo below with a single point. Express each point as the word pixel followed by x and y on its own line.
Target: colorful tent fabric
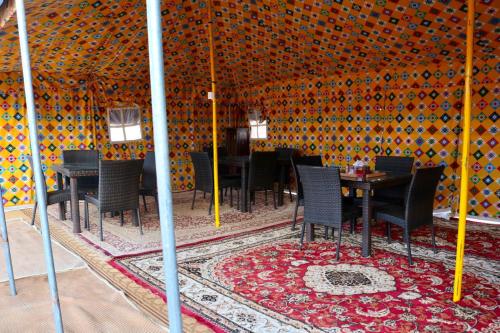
pixel 347 79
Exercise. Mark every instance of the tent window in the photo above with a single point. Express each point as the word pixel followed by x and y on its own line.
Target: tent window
pixel 258 126
pixel 124 124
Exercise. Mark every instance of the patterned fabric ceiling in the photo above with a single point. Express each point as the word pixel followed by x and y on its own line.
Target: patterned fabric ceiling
pixel 256 41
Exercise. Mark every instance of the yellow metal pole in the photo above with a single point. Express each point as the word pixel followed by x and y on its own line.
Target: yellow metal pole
pixel 464 177
pixel 214 117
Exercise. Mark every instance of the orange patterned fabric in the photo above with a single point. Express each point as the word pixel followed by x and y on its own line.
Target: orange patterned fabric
pixel 347 78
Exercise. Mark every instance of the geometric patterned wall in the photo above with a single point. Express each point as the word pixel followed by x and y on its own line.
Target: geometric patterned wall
pixel 413 113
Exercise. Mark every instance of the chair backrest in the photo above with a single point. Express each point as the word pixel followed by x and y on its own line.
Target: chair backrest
pixel 30 161
pixel 203 174
pixel 118 185
pixel 262 170
pixel 149 171
pixel 285 153
pixel 395 164
pixel 313 160
pixel 322 195
pixel 221 151
pixel 90 157
pixel 420 198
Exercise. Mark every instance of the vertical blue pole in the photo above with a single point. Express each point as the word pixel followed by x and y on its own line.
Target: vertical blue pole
pixel 6 248
pixel 37 166
pixel 163 164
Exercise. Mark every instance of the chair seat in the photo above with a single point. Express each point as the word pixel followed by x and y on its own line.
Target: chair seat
pixel 391 213
pixel 230 181
pixel 92 198
pixel 57 196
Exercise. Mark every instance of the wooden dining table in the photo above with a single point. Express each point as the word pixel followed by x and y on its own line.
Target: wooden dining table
pixel 73 171
pixel 366 186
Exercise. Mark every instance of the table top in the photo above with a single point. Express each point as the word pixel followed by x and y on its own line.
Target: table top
pixel 386 180
pixel 76 169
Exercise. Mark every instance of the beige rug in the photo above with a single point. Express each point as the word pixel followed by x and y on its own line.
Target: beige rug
pixel 27 252
pixel 88 304
pixel 190 225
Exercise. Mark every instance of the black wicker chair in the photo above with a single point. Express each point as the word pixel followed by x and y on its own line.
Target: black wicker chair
pixel 204 179
pixel 418 209
pixel 261 175
pixel 314 160
pixel 323 202
pixel 284 157
pixel 91 157
pixel 52 197
pixel 118 191
pixel 148 186
pixel 394 165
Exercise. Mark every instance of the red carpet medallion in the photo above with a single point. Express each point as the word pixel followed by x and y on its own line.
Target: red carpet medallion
pixel 262 282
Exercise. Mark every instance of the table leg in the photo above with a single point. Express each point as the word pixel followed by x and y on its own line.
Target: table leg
pixel 366 246
pixel 281 185
pixel 62 205
pixel 309 232
pixel 75 209
pixel 243 196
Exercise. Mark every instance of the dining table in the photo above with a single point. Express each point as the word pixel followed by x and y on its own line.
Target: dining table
pixel 366 185
pixel 73 171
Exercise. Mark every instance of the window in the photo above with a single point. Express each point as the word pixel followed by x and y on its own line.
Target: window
pixel 124 124
pixel 258 126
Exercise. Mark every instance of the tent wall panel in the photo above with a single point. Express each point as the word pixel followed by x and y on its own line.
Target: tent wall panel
pixel 415 113
pixel 72 115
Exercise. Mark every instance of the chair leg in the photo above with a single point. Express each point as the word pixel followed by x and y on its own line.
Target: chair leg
pixel 338 243
pixel 204 194
pixel 138 219
pixel 265 197
pixel 274 200
pixel 353 225
pixel 34 213
pixel 238 199
pixel 295 213
pixel 221 196
pixel 211 202
pixel 302 232
pixel 101 231
pixel 144 202
pixel 249 203
pixel 230 197
pixel 86 218
pixel 121 218
pixel 326 232
pixel 389 236
pixel 407 233
pixel 433 233
pixel 194 197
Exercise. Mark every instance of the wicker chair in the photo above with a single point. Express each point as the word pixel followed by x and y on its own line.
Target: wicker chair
pixel 261 175
pixel 204 179
pixel 284 155
pixel 395 165
pixel 53 197
pixel 323 202
pixel 418 209
pixel 314 160
pixel 91 157
pixel 148 179
pixel 118 191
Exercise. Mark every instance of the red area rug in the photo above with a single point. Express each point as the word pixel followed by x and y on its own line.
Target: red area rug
pixel 262 282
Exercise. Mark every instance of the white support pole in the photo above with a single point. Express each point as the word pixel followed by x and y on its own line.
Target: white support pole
pixel 160 129
pixel 37 166
pixel 6 248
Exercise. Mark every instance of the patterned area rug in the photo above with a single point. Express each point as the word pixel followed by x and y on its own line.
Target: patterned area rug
pixel 190 225
pixel 262 282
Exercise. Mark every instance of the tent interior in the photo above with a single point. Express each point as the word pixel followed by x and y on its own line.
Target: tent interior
pixel 345 79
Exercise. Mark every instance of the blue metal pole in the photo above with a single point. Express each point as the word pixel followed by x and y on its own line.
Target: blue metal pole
pixel 160 129
pixel 37 166
pixel 6 248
